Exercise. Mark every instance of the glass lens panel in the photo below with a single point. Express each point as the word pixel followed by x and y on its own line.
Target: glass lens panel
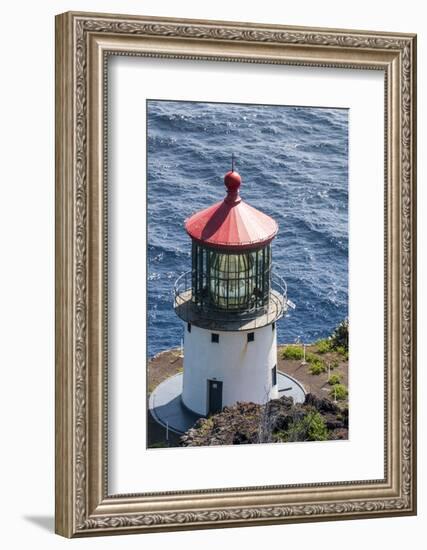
pixel 231 279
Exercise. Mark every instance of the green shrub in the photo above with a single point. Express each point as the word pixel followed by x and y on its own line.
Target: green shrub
pixel 318 366
pixel 339 338
pixel 323 346
pixel 342 351
pixel 338 392
pixel 311 427
pixel 292 352
pixel 334 379
pixel 280 437
pixel 334 365
pixel 311 357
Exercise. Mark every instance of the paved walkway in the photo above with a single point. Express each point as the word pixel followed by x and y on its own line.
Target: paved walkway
pixel 167 409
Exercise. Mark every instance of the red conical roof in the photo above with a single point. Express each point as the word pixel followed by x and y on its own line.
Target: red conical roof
pixel 231 223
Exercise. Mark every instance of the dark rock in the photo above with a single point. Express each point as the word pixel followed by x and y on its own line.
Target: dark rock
pixel 249 423
pixel 334 424
pixel 240 439
pixel 339 434
pixel 321 404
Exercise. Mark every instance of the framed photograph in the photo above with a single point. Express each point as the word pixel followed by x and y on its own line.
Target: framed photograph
pixel 235 274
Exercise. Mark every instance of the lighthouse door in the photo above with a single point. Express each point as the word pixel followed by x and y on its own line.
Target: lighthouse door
pixel 214 396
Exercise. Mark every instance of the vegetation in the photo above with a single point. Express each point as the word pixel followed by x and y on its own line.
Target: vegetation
pixel 318 366
pixel 334 379
pixel 339 338
pixel 338 392
pixel 337 342
pixel 342 351
pixel 323 346
pixel 310 427
pixel 324 356
pixel 293 351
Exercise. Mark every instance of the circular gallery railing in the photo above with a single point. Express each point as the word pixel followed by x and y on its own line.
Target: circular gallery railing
pixel 214 318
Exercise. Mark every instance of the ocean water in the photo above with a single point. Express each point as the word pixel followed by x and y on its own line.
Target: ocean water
pixel 294 166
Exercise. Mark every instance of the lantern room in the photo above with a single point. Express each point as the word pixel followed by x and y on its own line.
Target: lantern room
pixel 231 274
pixel 231 281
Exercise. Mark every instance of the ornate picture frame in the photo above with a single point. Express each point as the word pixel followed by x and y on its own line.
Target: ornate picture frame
pixel 84 42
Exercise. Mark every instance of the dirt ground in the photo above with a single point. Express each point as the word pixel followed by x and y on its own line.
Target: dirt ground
pixel 163 365
pixel 314 383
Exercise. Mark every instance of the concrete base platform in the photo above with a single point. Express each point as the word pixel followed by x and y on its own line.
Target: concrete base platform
pixel 166 407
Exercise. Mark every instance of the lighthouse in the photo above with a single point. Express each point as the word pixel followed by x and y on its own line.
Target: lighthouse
pixel 229 304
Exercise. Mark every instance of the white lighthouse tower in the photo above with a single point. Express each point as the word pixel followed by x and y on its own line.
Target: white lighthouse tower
pixel 230 303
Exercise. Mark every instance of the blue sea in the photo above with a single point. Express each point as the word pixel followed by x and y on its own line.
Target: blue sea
pixel 294 166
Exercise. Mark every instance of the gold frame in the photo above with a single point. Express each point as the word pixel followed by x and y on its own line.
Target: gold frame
pixel 83 42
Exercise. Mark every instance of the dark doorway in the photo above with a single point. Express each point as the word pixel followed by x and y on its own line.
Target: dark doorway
pixel 274 375
pixel 214 396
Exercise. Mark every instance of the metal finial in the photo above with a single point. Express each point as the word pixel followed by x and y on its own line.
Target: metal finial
pixel 232 162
